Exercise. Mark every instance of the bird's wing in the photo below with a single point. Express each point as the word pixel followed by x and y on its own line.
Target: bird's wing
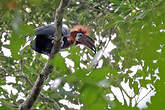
pixel 65 32
pixel 45 30
pixel 49 30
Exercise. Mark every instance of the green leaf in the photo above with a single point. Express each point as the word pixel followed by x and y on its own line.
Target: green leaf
pixel 57 3
pixel 15 44
pixel 36 2
pixel 6 16
pixel 5 108
pixel 117 2
pixel 59 63
pixel 99 74
pixel 93 98
pixel 18 38
pixel 109 25
pixel 75 56
pixel 135 86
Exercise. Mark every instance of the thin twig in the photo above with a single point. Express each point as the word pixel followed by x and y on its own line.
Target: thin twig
pixel 143 97
pixel 136 100
pixel 122 93
pixel 125 92
pixel 43 97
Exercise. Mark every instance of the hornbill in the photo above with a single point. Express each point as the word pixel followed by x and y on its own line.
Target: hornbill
pixel 43 42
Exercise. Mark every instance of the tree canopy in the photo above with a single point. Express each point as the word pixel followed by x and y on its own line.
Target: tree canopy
pixel 127 72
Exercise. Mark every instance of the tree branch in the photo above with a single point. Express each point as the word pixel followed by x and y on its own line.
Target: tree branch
pixel 28 103
pixel 22 75
pixel 42 96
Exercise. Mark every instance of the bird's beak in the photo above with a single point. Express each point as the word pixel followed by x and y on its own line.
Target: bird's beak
pixel 87 41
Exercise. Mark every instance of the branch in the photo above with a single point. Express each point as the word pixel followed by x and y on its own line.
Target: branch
pixel 143 97
pixel 22 75
pixel 42 96
pixel 28 103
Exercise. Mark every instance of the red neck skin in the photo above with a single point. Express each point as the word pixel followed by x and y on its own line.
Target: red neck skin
pixel 72 37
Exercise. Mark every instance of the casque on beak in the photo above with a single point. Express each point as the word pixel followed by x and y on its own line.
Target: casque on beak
pixel 87 41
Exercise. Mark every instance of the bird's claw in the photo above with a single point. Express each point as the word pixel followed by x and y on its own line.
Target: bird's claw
pixel 54 40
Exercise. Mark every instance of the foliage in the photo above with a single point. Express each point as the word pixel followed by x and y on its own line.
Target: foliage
pixel 139 27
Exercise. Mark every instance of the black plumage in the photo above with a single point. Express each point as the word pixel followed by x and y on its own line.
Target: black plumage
pixel 44 36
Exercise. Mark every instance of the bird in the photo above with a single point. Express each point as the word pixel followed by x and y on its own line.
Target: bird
pixel 43 41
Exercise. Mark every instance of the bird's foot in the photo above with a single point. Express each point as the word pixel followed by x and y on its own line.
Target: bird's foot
pixel 54 40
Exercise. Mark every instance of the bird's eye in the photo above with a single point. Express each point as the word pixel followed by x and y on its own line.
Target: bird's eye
pixel 79 35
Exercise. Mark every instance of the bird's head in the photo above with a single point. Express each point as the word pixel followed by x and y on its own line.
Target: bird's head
pixel 80 35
